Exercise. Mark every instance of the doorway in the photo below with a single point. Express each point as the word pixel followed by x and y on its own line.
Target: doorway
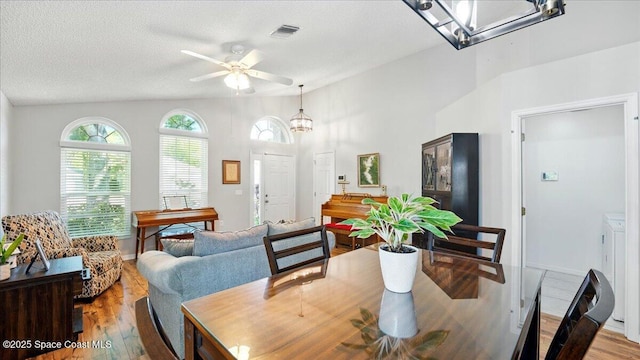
pixel 324 184
pixel 274 188
pixel 629 103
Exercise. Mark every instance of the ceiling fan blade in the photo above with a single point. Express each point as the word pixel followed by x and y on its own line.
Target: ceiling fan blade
pixel 210 76
pixel 269 77
pixel 217 62
pixel 252 58
pixel 249 90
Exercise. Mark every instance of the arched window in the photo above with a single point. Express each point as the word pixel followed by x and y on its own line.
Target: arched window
pixel 95 178
pixel 183 158
pixel 271 129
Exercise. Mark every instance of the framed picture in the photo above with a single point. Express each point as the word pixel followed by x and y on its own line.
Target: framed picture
pixel 230 171
pixel 369 170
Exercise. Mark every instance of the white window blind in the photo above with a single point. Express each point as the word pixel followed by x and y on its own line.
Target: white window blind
pixel 183 169
pixel 95 191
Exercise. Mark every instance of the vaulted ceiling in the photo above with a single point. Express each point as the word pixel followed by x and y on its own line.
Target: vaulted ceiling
pixel 95 51
pixel 83 51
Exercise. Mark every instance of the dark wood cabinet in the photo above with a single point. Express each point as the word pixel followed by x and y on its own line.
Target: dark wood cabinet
pixel 38 310
pixel 450 175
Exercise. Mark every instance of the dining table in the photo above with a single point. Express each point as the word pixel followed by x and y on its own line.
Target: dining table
pixel 338 308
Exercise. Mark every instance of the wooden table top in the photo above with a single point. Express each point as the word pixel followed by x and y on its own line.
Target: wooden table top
pixel 335 310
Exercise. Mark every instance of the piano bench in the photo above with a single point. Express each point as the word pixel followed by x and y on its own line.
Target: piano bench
pixel 171 235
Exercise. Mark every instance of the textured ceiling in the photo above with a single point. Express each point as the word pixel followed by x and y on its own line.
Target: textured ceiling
pixel 94 51
pixel 85 51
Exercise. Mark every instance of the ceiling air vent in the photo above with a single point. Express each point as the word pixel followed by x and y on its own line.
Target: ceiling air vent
pixel 284 31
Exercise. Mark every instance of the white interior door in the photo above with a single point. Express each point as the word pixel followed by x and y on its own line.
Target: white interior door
pixel 279 187
pixel 324 184
pixel 632 196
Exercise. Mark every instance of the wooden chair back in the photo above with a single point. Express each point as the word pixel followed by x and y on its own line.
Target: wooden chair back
pixel 155 341
pixel 293 248
pixel 589 310
pixel 464 237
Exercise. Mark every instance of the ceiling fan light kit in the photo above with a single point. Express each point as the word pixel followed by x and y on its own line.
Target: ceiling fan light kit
pixel 300 122
pixel 238 71
pixel 237 80
pixel 456 20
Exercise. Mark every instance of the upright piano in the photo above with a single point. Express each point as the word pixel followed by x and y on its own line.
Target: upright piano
pixel 163 219
pixel 346 206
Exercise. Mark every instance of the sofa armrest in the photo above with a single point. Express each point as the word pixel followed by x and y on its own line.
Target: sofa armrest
pixel 161 269
pixel 96 243
pixel 331 238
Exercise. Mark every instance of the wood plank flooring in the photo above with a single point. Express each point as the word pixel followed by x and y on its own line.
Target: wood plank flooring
pixel 110 321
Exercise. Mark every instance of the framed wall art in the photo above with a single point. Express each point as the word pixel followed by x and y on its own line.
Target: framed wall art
pixel 230 171
pixel 369 170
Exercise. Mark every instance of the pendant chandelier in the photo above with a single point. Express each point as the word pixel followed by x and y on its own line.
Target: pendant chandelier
pixel 300 122
pixel 457 20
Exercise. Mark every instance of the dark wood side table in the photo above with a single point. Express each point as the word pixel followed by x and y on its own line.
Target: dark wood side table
pixel 37 308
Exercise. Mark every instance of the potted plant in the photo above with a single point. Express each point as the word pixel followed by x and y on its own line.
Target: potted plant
pixel 5 254
pixel 394 222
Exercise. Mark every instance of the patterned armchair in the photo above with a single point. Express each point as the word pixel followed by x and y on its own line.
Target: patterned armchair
pixel 99 253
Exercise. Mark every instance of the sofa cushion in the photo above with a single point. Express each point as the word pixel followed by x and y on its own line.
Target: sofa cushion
pixel 178 247
pixel 212 242
pixel 288 227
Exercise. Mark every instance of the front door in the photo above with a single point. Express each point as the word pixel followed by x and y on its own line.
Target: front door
pixel 279 188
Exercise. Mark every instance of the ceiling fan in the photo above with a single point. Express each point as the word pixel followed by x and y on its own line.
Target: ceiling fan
pixel 238 71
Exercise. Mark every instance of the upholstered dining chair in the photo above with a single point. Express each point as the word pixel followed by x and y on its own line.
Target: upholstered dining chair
pixel 589 310
pixel 291 250
pixel 100 254
pixel 463 242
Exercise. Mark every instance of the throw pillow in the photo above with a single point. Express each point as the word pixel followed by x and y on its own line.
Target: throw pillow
pixel 287 227
pixel 212 242
pixel 177 247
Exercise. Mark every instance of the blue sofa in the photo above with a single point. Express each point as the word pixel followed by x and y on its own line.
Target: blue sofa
pixel 219 260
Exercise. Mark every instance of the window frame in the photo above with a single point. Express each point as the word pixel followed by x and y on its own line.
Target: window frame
pixel 67 145
pixel 202 135
pixel 280 123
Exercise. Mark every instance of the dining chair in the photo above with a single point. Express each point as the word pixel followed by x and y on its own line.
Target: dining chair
pixel 589 310
pixel 295 249
pixel 154 340
pixel 464 242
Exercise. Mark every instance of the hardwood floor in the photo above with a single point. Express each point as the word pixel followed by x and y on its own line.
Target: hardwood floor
pixel 109 320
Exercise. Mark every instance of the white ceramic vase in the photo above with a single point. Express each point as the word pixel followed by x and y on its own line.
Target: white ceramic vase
pixel 398 315
pixel 5 271
pixel 398 269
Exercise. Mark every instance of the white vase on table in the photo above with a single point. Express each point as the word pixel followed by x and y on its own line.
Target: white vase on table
pixel 398 269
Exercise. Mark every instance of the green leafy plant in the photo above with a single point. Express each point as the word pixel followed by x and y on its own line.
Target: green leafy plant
pixel 382 346
pixel 6 253
pixel 402 216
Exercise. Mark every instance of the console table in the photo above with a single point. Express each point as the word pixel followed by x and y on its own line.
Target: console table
pixel 38 307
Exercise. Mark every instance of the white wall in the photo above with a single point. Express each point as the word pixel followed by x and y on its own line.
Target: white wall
pixel 586 148
pixel 573 79
pixel 35 173
pixel 389 110
pixel 6 113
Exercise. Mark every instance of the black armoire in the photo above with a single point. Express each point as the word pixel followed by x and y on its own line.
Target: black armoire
pixel 450 173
